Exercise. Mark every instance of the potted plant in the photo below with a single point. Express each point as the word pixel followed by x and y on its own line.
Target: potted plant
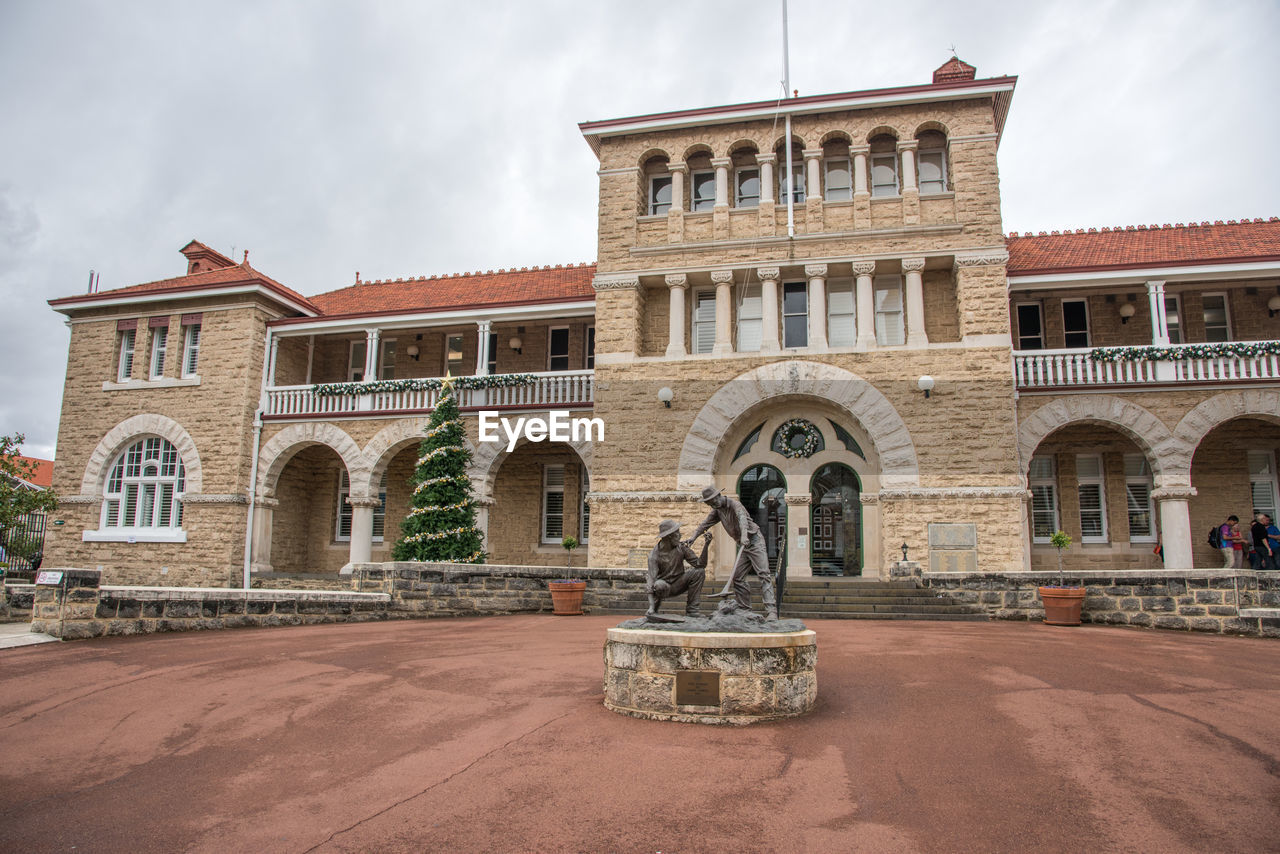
pixel 566 593
pixel 1061 603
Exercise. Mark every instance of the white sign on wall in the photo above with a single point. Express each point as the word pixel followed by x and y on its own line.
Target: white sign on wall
pixel 48 578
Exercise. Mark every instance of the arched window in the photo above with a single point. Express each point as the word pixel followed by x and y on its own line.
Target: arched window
pixel 884 166
pixel 145 486
pixel 931 162
pixel 762 490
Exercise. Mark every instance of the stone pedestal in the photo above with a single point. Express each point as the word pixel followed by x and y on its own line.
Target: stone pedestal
pixel 710 677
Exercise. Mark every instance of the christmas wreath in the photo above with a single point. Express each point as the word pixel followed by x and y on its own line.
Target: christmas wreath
pixel 789 435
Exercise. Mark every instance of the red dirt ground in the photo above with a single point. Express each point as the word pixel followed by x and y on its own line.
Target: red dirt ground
pixel 489 735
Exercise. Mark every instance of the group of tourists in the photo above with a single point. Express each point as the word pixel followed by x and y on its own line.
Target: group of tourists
pixel 1260 545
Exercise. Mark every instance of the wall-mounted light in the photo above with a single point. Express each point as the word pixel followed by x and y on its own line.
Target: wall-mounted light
pixel 904 552
pixel 1127 311
pixel 665 394
pixel 1273 304
pixel 925 384
pixel 412 351
pixel 515 343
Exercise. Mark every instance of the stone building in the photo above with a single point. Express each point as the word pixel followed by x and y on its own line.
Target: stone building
pixel 860 353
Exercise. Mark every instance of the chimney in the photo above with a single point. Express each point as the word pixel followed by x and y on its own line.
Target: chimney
pixel 953 70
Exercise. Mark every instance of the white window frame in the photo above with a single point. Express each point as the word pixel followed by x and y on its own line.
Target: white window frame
pixel 1144 479
pixel 550 489
pixel 551 331
pixel 702 332
pixel 1226 316
pixel 655 207
pixel 146 457
pixel 1022 337
pixel 124 366
pixel 589 349
pixel 345 510
pixel 159 346
pixel 750 319
pixel 191 350
pixel 797 180
pixel 1174 329
pixel 454 367
pixel 491 357
pixel 837 193
pixel 881 190
pixel 387 359
pixel 941 154
pixel 842 320
pixel 702 177
pixel 890 325
pixel 1088 336
pixel 1047 484
pixel 1265 475
pixel 1100 481
pixel 787 342
pixel 356 366
pixel 746 200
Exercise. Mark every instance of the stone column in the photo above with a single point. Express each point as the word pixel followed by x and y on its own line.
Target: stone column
pixel 1159 315
pixel 1175 525
pixel 271 360
pixel 798 519
pixel 766 162
pixel 813 173
pixel 483 503
pixel 362 527
pixel 865 309
pixel 907 149
pixel 677 286
pixel 721 165
pixel 260 548
pixel 678 170
pixel 1027 530
pixel 872 539
pixel 484 329
pixel 913 268
pixel 861 191
pixel 723 280
pixel 373 338
pixel 817 274
pixel 769 276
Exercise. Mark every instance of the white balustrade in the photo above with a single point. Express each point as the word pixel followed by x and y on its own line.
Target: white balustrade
pixel 549 390
pixel 1057 369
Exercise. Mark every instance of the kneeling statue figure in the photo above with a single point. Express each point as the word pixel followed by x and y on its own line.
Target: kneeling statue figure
pixel 668 575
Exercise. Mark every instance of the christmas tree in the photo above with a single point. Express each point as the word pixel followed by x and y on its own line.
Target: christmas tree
pixel 441 526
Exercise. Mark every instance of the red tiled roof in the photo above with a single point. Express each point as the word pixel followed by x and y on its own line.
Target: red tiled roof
pixel 43 474
pixel 461 290
pixel 1131 246
pixel 237 274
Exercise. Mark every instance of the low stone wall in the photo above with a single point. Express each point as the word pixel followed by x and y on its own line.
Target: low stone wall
pixel 1239 602
pixel 77 607
pixel 299 581
pixel 19 597
pixel 468 590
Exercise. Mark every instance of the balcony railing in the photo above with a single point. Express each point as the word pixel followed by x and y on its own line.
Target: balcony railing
pixel 559 389
pixel 1059 369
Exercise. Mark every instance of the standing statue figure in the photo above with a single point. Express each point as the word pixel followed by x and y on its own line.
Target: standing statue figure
pixel 667 573
pixel 752 556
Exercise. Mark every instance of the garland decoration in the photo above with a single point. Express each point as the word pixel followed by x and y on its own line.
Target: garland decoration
pixel 798 427
pixel 424 384
pixel 1181 352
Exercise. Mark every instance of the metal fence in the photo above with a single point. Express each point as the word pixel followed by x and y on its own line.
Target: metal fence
pixel 29 529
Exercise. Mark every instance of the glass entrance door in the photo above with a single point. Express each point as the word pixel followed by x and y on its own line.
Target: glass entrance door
pixel 836 521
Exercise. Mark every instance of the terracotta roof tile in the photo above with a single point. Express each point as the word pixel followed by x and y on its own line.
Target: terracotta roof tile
pixel 461 290
pixel 43 474
pixel 1144 246
pixel 238 274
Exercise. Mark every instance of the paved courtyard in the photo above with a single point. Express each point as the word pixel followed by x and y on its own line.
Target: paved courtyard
pixel 473 735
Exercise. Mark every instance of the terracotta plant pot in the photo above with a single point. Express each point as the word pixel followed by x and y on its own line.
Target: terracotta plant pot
pixel 1062 605
pixel 566 597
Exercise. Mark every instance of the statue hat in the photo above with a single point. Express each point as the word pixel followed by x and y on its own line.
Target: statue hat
pixel 668 527
pixel 708 493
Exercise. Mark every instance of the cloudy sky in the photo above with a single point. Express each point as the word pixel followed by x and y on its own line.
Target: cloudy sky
pixel 401 138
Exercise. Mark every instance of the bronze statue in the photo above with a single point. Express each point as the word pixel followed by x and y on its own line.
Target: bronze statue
pixel 667 574
pixel 752 556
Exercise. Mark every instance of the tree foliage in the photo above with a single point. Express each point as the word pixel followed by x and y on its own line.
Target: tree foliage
pixel 441 526
pixel 18 498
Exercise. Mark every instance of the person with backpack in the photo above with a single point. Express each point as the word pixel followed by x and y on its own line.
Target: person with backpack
pixel 1261 558
pixel 1228 535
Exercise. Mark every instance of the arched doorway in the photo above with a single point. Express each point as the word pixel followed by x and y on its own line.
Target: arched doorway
pixel 762 490
pixel 836 521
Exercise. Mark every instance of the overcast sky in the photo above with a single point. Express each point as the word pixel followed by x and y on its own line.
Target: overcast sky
pixel 405 138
